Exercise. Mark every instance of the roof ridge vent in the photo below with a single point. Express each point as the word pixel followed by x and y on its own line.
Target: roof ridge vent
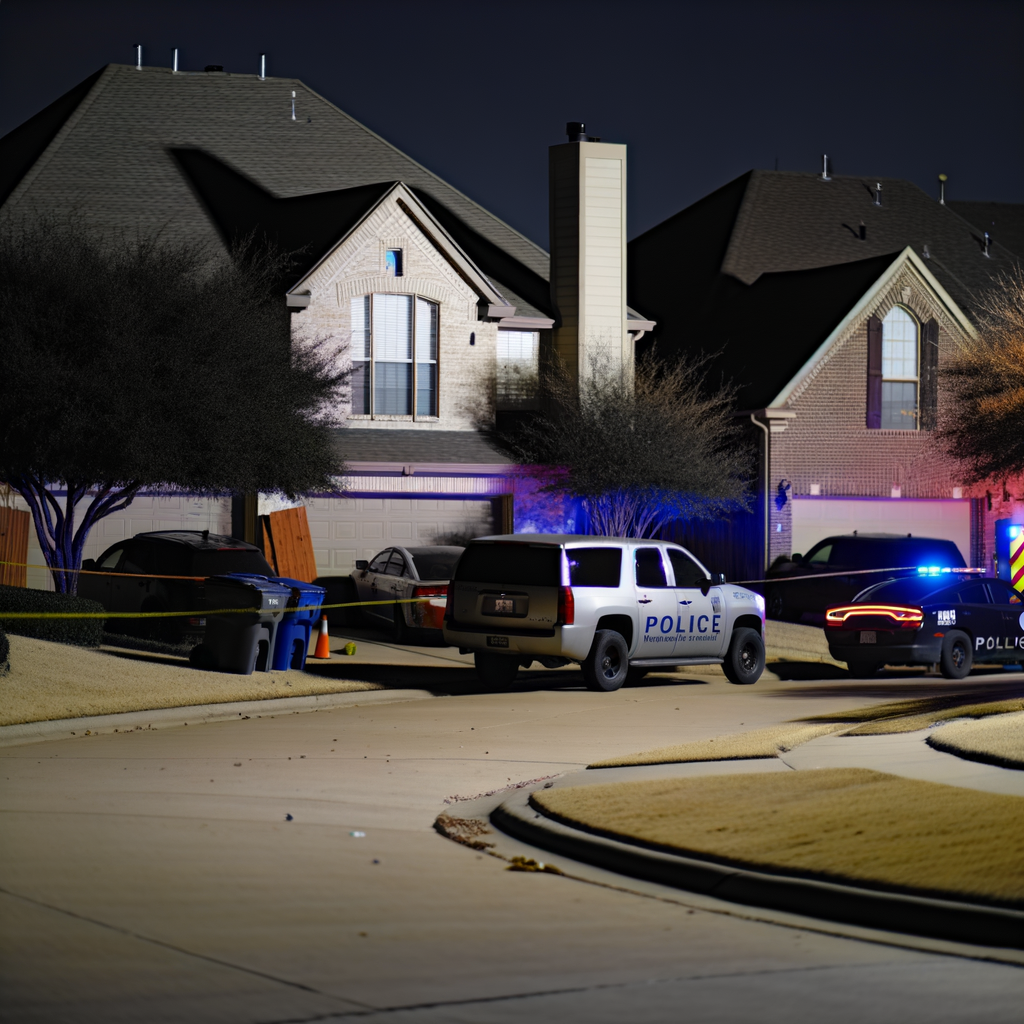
pixel 824 167
pixel 214 67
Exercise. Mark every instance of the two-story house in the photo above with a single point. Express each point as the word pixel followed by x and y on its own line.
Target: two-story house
pixel 831 304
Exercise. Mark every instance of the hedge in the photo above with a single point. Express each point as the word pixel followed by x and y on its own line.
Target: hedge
pixel 82 632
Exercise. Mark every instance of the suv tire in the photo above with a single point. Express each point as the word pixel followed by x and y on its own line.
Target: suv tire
pixel 744 661
pixel 607 665
pixel 496 669
pixel 777 604
pixel 957 656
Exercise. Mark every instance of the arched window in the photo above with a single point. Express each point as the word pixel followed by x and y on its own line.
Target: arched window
pixel 900 370
pixel 394 356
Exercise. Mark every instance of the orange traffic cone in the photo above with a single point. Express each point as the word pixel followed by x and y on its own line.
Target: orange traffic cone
pixel 323 641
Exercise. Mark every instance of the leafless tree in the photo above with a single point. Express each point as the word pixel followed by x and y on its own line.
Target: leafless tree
pixel 640 451
pixel 984 428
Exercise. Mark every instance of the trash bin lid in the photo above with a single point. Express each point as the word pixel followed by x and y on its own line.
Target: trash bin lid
pixel 266 593
pixel 306 588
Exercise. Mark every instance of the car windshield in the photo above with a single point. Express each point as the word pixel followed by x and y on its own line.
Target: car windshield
pixel 511 565
pixel 912 589
pixel 435 565
pixel 217 563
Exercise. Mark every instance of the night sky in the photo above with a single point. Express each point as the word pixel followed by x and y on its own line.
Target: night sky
pixel 701 92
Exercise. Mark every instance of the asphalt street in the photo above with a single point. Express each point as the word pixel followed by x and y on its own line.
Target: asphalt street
pixel 285 869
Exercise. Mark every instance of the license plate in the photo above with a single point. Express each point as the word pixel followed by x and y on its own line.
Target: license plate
pixel 504 605
pixel 868 636
pixel 497 641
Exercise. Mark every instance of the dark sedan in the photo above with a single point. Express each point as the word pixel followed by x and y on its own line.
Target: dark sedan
pixel 951 619
pixel 127 578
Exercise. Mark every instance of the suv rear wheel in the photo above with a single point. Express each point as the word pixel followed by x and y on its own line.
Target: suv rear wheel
pixel 607 664
pixel 744 661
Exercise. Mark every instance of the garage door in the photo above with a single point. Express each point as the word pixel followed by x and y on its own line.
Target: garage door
pixel 344 529
pixel 817 518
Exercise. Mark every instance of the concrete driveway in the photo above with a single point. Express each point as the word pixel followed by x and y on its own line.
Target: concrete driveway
pixel 156 876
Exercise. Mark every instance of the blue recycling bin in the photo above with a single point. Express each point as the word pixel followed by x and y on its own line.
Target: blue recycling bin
pixel 241 628
pixel 297 623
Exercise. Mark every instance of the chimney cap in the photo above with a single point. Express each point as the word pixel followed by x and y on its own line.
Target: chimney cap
pixel 576 130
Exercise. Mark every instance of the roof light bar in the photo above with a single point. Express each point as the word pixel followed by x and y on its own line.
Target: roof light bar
pixel 936 570
pixel 903 616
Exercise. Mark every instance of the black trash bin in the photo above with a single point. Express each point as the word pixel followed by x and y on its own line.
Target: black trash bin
pixel 241 641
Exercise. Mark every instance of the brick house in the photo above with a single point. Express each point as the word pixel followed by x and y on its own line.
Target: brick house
pixel 445 309
pixel 831 303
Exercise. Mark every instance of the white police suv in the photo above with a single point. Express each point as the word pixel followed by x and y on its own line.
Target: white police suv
pixel 621 607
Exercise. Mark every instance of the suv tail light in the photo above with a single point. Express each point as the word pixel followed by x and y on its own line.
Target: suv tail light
pixel 430 591
pixel 566 607
pixel 859 616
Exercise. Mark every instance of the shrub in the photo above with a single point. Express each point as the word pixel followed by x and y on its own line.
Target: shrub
pixel 82 632
pixel 5 653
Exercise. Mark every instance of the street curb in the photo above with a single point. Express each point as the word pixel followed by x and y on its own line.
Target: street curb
pixel 197 714
pixel 897 912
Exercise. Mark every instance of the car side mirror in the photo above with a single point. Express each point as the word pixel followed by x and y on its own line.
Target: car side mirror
pixel 717 579
pixel 89 564
pixel 362 564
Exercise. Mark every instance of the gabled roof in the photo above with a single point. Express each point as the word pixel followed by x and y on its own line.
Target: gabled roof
pixel 103 151
pixel 760 272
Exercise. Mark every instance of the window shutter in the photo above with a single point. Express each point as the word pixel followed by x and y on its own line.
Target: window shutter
pixel 929 375
pixel 874 405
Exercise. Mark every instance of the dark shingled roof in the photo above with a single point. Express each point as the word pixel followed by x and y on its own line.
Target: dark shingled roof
pixel 1003 221
pixel 760 272
pixel 103 151
pixel 408 446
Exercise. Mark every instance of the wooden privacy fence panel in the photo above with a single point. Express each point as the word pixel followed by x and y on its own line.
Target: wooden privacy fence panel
pixel 288 545
pixel 14 524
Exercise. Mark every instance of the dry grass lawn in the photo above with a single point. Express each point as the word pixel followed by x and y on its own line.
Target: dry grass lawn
pixel 844 825
pixel 911 715
pixel 735 747
pixel 992 740
pixel 50 681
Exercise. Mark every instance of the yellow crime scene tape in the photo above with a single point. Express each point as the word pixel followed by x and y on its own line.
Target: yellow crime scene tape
pixel 363 604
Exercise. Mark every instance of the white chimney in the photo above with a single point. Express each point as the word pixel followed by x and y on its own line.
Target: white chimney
pixel 587 180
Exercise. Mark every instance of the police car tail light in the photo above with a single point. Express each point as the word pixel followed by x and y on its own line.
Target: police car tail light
pixel 566 607
pixel 852 616
pixel 430 591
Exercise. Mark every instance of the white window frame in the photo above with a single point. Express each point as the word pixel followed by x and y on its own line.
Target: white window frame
pixel 889 376
pixel 420 307
pixel 510 365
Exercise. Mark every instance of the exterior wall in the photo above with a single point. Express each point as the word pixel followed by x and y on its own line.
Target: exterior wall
pixel 466 371
pixel 827 448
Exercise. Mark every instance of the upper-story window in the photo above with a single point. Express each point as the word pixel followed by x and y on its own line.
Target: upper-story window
pixel 393 262
pixel 517 368
pixel 900 374
pixel 394 356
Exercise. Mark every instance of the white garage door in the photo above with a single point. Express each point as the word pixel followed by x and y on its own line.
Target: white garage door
pixel 344 529
pixel 817 518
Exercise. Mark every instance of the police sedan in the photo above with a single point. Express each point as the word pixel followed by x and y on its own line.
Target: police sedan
pixel 951 618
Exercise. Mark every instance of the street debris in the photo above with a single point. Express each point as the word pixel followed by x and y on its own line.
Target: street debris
pixel 521 863
pixel 358 835
pixel 463 830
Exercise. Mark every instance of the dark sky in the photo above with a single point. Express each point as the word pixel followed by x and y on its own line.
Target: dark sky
pixel 700 92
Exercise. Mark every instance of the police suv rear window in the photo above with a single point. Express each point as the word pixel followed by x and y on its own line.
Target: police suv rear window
pixel 513 565
pixel 217 563
pixel 594 567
